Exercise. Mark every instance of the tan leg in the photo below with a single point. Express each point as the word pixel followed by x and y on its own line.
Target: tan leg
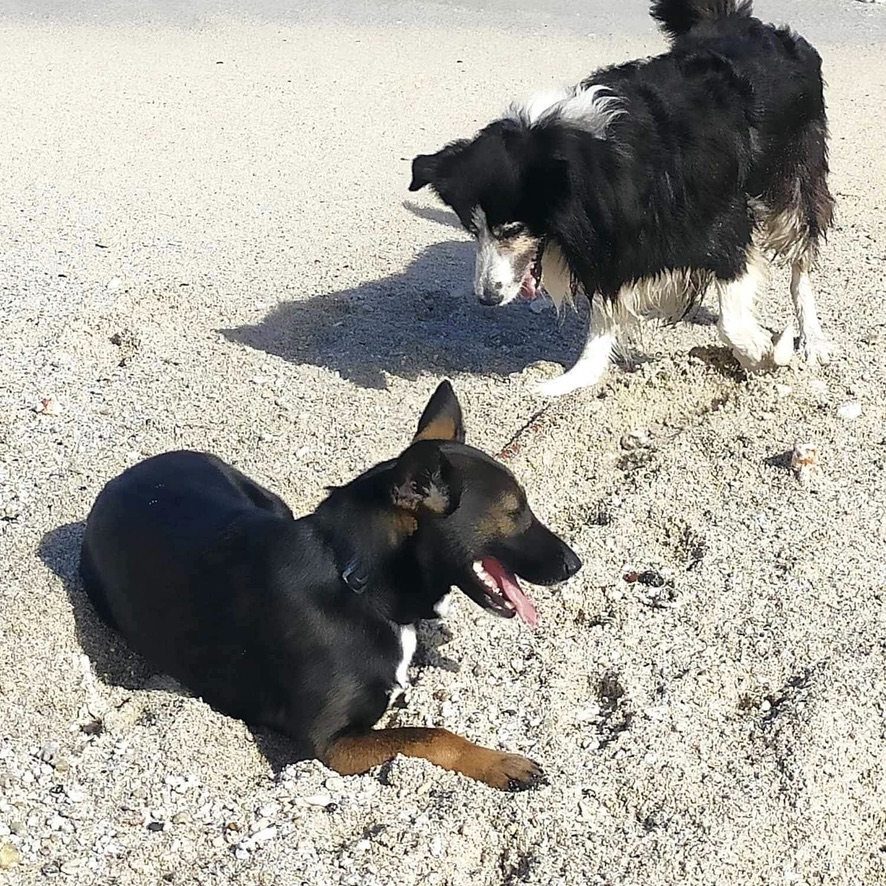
pixel 354 754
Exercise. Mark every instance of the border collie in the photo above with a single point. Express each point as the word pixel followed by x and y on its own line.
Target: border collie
pixel 651 181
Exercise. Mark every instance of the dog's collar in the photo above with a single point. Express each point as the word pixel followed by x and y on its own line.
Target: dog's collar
pixel 354 577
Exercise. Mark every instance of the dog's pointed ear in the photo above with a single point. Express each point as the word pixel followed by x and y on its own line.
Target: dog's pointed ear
pixel 424 170
pixel 425 481
pixel 442 418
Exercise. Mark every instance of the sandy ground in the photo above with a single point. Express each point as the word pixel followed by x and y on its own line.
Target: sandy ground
pixel 204 243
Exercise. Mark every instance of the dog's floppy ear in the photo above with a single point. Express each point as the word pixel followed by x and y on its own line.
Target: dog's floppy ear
pixel 425 481
pixel 442 418
pixel 428 169
pixel 424 170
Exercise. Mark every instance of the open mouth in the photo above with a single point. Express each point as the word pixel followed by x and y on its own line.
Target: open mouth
pixel 530 286
pixel 500 592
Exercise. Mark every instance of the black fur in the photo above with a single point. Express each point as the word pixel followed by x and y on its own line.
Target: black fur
pixel 725 131
pixel 296 624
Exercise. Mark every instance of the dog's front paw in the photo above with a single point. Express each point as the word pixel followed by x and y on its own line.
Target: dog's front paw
pixel 783 347
pixel 511 772
pixel 768 356
pixel 816 350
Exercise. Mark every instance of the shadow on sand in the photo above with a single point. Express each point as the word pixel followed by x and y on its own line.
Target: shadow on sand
pixel 421 320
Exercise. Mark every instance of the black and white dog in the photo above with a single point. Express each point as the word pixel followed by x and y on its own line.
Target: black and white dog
pixel 651 181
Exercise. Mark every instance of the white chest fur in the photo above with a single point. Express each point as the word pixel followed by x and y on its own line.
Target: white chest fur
pixel 407 645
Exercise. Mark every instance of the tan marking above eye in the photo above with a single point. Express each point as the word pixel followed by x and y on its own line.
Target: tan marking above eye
pixel 501 519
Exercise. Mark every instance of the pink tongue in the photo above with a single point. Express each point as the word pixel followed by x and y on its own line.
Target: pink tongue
pixel 528 291
pixel 507 584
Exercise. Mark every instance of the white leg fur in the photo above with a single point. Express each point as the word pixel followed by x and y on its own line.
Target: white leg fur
pixel 594 359
pixel 739 327
pixel 815 347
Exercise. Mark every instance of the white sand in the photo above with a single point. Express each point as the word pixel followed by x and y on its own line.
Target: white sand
pixel 276 303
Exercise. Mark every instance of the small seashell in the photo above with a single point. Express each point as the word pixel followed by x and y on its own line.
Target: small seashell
pixel 49 406
pixel 804 461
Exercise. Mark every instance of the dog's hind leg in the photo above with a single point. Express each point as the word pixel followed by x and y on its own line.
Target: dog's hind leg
pixel 739 327
pixel 355 754
pixel 797 212
pixel 813 343
pixel 595 357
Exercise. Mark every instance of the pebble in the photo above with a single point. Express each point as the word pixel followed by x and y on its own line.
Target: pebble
pixel 639 438
pixel 72 866
pixel 314 800
pixel 334 783
pixel 9 856
pixel 49 406
pixel 849 411
pixel 49 751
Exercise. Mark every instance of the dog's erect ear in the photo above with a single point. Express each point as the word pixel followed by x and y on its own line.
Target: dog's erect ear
pixel 425 481
pixel 442 419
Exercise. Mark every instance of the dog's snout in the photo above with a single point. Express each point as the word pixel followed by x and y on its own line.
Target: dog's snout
pixel 492 294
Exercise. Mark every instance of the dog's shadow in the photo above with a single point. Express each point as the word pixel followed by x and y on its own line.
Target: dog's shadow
pixel 117 665
pixel 420 320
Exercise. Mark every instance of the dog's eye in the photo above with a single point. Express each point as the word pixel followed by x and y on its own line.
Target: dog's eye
pixel 512 229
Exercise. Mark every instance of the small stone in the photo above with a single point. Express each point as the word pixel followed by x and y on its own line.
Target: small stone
pixel 49 751
pixel 334 783
pixel 155 826
pixel 114 284
pixel 784 390
pixel 48 406
pixel 314 800
pixel 71 867
pixel 9 856
pixel 849 411
pixel 639 438
pixel 18 827
pixel 436 848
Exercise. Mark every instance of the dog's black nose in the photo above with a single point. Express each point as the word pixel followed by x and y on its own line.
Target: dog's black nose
pixel 571 563
pixel 491 294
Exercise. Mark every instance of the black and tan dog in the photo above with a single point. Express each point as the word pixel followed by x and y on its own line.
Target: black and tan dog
pixel 307 626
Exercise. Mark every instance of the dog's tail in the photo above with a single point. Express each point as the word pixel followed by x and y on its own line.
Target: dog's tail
pixel 679 17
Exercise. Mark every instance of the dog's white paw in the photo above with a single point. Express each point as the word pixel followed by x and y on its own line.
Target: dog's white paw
pixel 783 347
pixel 817 350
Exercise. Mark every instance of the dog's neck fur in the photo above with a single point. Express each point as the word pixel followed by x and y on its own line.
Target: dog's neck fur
pixel 371 542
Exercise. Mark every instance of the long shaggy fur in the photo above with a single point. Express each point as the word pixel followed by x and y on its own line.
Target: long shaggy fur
pixel 689 162
pixel 678 17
